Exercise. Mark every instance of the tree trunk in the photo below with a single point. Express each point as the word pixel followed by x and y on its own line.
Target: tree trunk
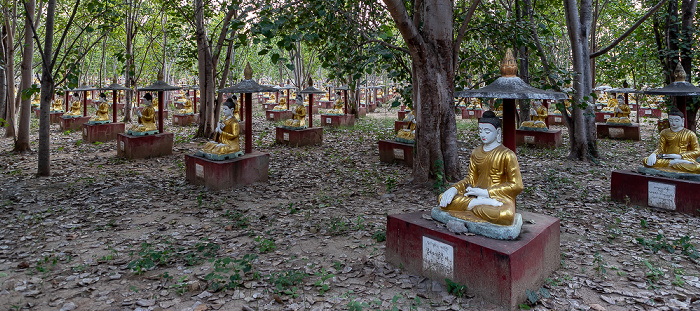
pixel 47 90
pixel 25 115
pixel 524 11
pixel 9 70
pixel 206 75
pixel 689 8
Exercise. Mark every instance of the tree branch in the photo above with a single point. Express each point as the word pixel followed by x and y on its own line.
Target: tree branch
pixel 629 31
pixel 463 31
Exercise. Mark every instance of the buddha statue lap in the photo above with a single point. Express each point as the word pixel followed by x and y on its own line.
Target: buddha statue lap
pixel 227 144
pixel 337 106
pixel 187 107
pixel 678 148
pixel 146 118
pixel 538 115
pixel 408 133
pixel 622 113
pixel 282 106
pixel 102 114
pixel 36 101
pixel 298 119
pixel 75 108
pixel 57 105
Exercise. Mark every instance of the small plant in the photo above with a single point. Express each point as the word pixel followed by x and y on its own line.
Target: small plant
pixel 533 296
pixel 456 288
pixel 78 143
pixel 321 284
pixel 600 264
pixel 228 272
pixel 265 245
pixel 356 305
pixel 653 275
pixel 337 226
pixel 239 220
pixel 292 209
pixel 379 236
pixel 390 183
pixel 285 282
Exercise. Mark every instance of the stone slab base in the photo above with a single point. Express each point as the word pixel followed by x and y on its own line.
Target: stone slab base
pixel 217 175
pixel 101 132
pixel 391 151
pixel 648 112
pixel 618 131
pixel 73 124
pixel 656 191
pixel 402 114
pixel 298 138
pixel 281 115
pixel 149 146
pixel 603 116
pixel 554 119
pixel 542 139
pixel 337 120
pixel 498 271
pixel 399 125
pixel 472 114
pixel 55 117
pixel 185 119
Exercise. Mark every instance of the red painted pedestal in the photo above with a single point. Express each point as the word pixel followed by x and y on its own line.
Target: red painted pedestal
pixel 73 124
pixel 648 112
pixel 55 117
pixel 185 119
pixel 402 114
pixel 267 106
pixel 549 139
pixel 618 131
pixel 298 138
pixel 337 120
pixel 362 111
pixel 325 104
pixel 498 271
pixel 656 191
pixel 391 151
pixel 399 125
pixel 281 115
pixel 149 146
pixel 101 132
pixel 217 175
pixel 371 107
pixel 554 119
pixel 603 116
pixel 472 114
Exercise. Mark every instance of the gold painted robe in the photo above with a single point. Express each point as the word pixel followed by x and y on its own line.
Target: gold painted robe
pixel 299 117
pixel 683 142
pixel 102 113
pixel 338 107
pixel 147 120
pixel 498 172
pixel 408 133
pixel 541 116
pixel 75 109
pixel 187 108
pixel 229 137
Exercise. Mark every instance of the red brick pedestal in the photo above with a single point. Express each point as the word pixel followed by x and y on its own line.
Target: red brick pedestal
pixel 544 139
pixel 622 132
pixel 399 125
pixel 217 175
pixel 603 116
pixel 55 117
pixel 371 107
pixel 185 119
pixel 101 132
pixel 472 113
pixel 655 191
pixel 391 151
pixel 149 146
pixel 267 106
pixel 73 124
pixel 337 120
pixel 554 119
pixel 325 104
pixel 298 138
pixel 649 112
pixel 278 115
pixel 402 114
pixel 362 111
pixel 498 271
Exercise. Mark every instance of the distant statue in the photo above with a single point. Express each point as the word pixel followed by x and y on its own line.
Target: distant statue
pixel 146 118
pixel 102 114
pixel 622 113
pixel 678 148
pixel 227 144
pixel 538 115
pixel 75 108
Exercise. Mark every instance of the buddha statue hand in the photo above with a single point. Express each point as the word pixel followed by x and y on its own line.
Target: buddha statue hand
pixel 679 161
pixel 651 160
pixel 673 156
pixel 447 196
pixel 483 201
pixel 477 192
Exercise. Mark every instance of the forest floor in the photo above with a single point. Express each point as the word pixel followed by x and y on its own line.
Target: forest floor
pixel 104 233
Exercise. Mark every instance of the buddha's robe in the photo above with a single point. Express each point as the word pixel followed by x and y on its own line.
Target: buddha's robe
pixel 186 108
pixel 102 113
pixel 299 117
pixel 147 120
pixel 683 142
pixel 227 141
pixel 75 109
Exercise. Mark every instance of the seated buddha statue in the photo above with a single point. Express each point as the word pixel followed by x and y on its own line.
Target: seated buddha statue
pixel 282 106
pixel 499 110
pixel 488 192
pixel 678 148
pixel 408 133
pixel 538 114
pixel 611 105
pixel 36 101
pixel 57 105
pixel 75 108
pixel 474 104
pixel 602 100
pixel 622 113
pixel 337 106
pixel 237 110
pixel 102 114
pixel 272 99
pixel 226 145
pixel 298 119
pixel 146 118
pixel 187 107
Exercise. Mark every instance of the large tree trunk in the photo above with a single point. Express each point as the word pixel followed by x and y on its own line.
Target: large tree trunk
pixel 206 75
pixel 47 90
pixel 9 26
pixel 689 8
pixel 524 11
pixel 25 115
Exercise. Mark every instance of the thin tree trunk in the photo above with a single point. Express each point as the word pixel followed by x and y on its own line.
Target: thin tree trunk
pixel 25 115
pixel 47 90
pixel 10 26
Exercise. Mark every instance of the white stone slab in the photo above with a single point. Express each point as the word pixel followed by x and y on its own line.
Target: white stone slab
pixel 199 170
pixel 616 132
pixel 529 139
pixel 398 154
pixel 662 195
pixel 329 121
pixel 557 119
pixel 285 136
pixel 438 258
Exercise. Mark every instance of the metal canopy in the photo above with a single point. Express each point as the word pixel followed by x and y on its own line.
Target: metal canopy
pixel 248 85
pixel 624 90
pixel 114 87
pixel 342 88
pixel 679 87
pixel 511 88
pixel 157 86
pixel 311 89
pixel 85 88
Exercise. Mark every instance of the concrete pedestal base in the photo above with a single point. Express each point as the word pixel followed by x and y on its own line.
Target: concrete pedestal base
pixel 73 124
pixel 217 175
pixel 603 116
pixel 391 151
pixel 498 271
pixel 622 132
pixel 648 112
pixel 325 104
pixel 362 111
pixel 298 138
pixel 55 117
pixel 399 125
pixel 337 120
pixel 267 106
pixel 149 146
pixel 472 114
pixel 185 119
pixel 402 114
pixel 554 119
pixel 544 139
pixel 101 132
pixel 278 115
pixel 371 107
pixel 656 191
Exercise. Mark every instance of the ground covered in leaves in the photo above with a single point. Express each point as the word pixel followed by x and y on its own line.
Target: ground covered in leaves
pixel 105 233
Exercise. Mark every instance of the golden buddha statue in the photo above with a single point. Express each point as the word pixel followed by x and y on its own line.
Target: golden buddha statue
pixel 146 118
pixel 538 115
pixel 678 147
pixel 36 101
pixel 622 113
pixel 299 117
pixel 338 106
pixel 272 99
pixel 102 114
pixel 57 105
pixel 226 145
pixel 75 108
pixel 187 107
pixel 488 192
pixel 237 110
pixel 408 133
pixel 499 110
pixel 282 106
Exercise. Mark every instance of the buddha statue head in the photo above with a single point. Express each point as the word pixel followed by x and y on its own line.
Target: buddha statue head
pixel 676 119
pixel 229 107
pixel 283 101
pixel 620 99
pixel 490 128
pixel 76 97
pixel 148 99
pixel 103 98
pixel 537 103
